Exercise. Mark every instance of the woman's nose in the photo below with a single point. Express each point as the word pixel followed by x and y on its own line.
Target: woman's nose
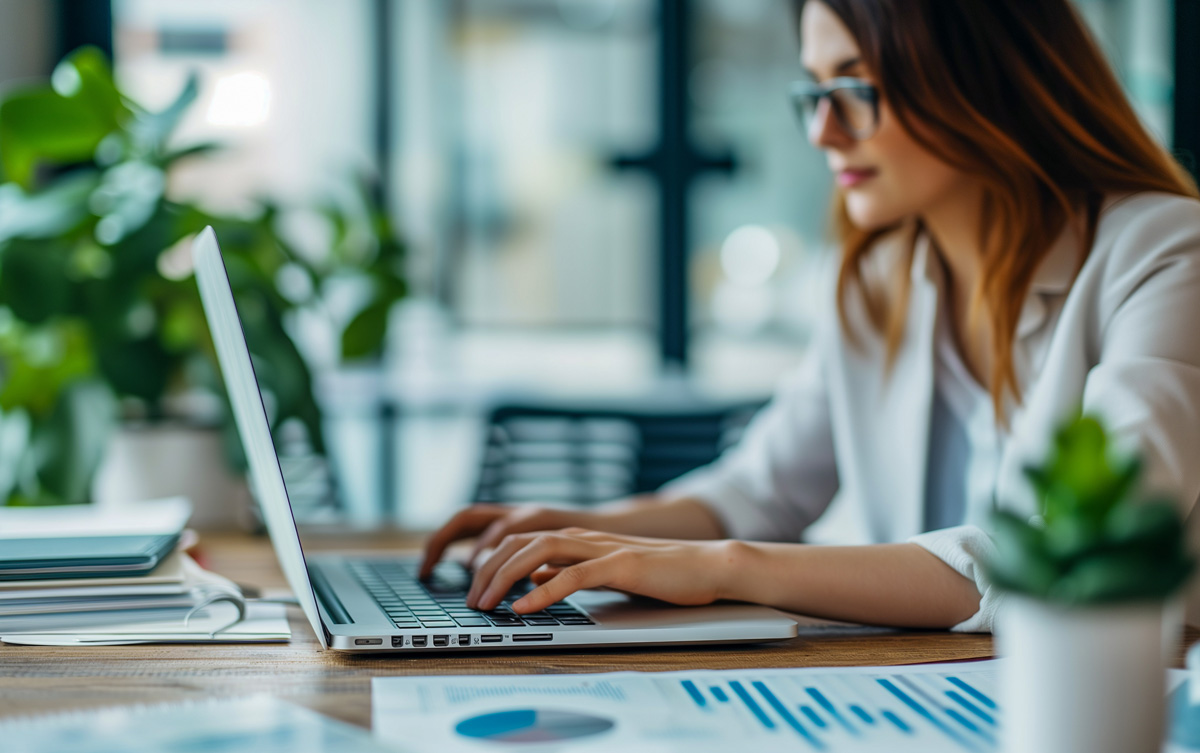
pixel 824 132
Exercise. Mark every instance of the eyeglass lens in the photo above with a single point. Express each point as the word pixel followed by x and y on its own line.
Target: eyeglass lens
pixel 854 109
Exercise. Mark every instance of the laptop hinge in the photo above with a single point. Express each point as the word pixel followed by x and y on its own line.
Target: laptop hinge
pixel 337 613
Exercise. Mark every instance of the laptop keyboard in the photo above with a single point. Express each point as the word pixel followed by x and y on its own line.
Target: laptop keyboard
pixel 440 601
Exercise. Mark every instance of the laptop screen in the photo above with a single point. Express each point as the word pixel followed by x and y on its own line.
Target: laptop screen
pixel 251 409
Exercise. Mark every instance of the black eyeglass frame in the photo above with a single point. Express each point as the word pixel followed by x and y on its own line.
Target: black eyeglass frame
pixel 805 93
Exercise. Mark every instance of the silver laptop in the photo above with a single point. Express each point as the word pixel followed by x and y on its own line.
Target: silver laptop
pixel 361 603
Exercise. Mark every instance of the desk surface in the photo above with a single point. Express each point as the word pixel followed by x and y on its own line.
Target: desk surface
pixel 38 680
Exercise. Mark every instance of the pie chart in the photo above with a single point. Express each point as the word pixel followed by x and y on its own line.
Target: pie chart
pixel 533 726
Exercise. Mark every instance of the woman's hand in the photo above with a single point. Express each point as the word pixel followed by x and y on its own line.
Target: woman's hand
pixel 491 523
pixel 566 561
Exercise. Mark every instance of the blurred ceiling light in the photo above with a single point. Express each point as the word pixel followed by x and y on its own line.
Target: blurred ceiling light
pixel 750 255
pixel 241 100
pixel 738 308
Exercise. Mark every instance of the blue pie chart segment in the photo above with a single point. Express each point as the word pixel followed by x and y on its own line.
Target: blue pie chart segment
pixel 533 726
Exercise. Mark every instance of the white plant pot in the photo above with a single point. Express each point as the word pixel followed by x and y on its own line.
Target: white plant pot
pixel 154 461
pixel 1084 680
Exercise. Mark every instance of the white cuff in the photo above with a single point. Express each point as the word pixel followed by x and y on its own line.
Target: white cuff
pixel 964 548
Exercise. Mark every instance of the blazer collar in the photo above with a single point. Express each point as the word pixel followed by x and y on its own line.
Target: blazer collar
pixel 1053 277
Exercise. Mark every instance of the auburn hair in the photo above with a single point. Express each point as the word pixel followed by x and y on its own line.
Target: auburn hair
pixel 1017 93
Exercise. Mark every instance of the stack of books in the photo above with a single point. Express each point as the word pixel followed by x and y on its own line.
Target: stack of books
pixel 82 576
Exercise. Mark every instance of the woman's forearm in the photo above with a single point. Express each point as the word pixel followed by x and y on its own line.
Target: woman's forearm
pixel 655 517
pixel 883 584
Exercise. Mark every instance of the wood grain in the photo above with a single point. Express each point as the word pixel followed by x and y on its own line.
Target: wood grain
pixel 36 680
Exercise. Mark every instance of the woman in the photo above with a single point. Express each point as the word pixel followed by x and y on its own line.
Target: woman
pixel 1014 246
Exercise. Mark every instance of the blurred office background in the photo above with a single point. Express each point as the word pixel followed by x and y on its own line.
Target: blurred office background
pixel 601 198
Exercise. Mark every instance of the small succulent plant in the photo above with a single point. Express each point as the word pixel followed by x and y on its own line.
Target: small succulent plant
pixel 1096 541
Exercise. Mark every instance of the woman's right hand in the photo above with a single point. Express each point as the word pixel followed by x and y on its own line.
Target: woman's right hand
pixel 491 523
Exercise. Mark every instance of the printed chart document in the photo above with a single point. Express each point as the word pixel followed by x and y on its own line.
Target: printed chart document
pixel 930 708
pixel 258 724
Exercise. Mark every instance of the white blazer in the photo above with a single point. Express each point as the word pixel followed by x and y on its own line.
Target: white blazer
pixel 847 440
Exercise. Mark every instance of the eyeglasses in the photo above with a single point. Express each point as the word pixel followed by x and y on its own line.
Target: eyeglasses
pixel 855 104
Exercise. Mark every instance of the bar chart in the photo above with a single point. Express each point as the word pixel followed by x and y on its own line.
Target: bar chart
pixel 845 712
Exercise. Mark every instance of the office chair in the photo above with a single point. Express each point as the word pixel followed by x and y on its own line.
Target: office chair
pixel 541 452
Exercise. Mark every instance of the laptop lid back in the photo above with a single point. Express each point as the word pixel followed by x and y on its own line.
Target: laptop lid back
pixel 250 414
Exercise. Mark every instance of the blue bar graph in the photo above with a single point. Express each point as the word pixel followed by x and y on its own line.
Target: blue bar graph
pixel 861 713
pixel 820 698
pixel 957 698
pixel 695 693
pixel 780 709
pixel 751 704
pixel 926 714
pixel 813 716
pixel 972 691
pixel 834 714
pixel 891 717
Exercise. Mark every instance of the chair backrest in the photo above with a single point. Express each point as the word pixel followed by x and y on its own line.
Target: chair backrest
pixel 589 454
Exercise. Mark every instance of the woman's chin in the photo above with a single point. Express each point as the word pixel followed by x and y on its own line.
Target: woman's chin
pixel 868 213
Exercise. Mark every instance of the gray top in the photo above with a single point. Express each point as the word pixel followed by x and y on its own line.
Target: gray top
pixel 946 467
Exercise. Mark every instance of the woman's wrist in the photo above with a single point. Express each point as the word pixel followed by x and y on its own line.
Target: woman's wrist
pixel 735 563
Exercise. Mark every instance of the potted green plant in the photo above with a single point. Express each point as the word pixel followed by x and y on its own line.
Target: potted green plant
pixel 1089 618
pixel 100 319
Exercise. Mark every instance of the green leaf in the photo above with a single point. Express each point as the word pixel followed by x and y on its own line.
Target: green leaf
pixel 1155 526
pixel 136 368
pixel 32 280
pixel 51 213
pixel 40 126
pixel 1021 562
pixel 195 150
pixel 63 123
pixel 152 131
pixel 364 335
pixel 69 445
pixel 1121 576
pixel 85 76
pixel 39 363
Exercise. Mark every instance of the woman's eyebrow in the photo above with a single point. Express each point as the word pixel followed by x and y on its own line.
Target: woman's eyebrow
pixel 840 69
pixel 847 65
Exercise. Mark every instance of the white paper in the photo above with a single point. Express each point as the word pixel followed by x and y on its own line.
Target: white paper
pixel 162 516
pixel 931 708
pixel 258 724
pixel 40 609
pixel 263 623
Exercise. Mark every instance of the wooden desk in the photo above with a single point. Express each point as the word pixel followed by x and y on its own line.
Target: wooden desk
pixel 37 680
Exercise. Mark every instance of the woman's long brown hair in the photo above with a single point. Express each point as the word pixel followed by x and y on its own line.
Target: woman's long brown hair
pixel 1017 93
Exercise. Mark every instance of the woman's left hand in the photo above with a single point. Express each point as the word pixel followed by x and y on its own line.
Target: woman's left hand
pixel 566 561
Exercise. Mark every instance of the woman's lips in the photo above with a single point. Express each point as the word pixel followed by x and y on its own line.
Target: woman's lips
pixel 852 178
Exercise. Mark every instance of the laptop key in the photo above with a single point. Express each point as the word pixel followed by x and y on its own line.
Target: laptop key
pixel 540 621
pixel 439 623
pixel 506 621
pixel 472 622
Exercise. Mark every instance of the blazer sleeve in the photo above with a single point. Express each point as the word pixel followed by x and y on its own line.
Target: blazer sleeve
pixel 1146 384
pixel 782 475
pixel 1145 381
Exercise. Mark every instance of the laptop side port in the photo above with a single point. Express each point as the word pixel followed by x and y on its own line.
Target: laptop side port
pixel 397 641
pixel 419 641
pixel 441 641
pixel 368 641
pixel 531 637
pixel 464 640
pixel 491 638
